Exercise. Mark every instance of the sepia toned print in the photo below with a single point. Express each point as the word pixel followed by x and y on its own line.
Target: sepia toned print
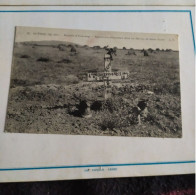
pixel 83 82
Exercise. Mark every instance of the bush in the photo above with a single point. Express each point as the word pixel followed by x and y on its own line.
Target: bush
pixel 117 119
pixel 145 53
pixel 111 105
pixel 96 106
pixel 131 52
pixel 150 50
pixel 167 88
pixel 72 79
pixel 108 122
pixel 61 49
pixel 116 114
pixel 42 59
pixel 24 56
pixel 73 49
pixel 96 47
pixel 65 61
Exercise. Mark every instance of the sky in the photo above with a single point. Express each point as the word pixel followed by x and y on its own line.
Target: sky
pixel 99 38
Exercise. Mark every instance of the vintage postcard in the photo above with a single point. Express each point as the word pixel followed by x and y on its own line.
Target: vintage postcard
pixel 82 82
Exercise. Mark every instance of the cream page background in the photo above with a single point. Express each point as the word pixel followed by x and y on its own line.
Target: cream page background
pixel 30 150
pixel 100 2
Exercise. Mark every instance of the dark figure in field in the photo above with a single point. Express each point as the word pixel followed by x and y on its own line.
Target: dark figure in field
pixel 80 110
pixel 73 49
pixel 142 104
pixel 145 53
pixel 110 51
pixel 140 110
pixel 60 48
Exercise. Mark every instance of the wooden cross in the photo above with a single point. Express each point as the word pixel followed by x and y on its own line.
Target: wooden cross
pixel 107 76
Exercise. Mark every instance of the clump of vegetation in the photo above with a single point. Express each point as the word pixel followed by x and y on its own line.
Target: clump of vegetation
pixel 131 52
pixel 145 53
pixel 150 50
pixel 17 82
pixel 96 47
pixel 67 61
pixel 116 114
pixel 108 122
pixel 24 56
pixel 73 49
pixel 72 79
pixel 42 59
pixel 164 112
pixel 61 49
pixel 142 51
pixel 96 106
pixel 165 88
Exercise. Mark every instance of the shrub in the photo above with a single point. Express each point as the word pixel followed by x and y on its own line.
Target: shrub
pixel 167 88
pixel 96 47
pixel 65 61
pixel 116 113
pixel 24 56
pixel 72 79
pixel 108 122
pixel 73 49
pixel 61 49
pixel 150 50
pixel 96 105
pixel 111 105
pixel 145 53
pixel 131 52
pixel 42 59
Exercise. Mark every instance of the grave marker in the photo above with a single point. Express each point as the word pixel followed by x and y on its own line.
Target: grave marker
pixel 107 76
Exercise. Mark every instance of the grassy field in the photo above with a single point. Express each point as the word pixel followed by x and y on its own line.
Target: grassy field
pixel 48 82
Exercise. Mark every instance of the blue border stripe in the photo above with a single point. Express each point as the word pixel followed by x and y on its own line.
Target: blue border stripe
pixel 192 31
pixel 101 165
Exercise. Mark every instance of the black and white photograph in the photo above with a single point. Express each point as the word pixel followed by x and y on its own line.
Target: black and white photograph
pixel 85 82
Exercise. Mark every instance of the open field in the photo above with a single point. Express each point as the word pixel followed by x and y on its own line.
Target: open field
pixel 48 83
